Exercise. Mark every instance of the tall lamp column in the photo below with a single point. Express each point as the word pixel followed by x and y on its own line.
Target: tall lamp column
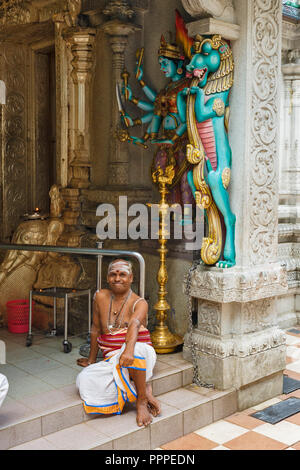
pixel 163 340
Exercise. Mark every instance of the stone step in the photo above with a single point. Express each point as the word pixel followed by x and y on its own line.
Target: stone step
pixel 184 410
pixel 54 411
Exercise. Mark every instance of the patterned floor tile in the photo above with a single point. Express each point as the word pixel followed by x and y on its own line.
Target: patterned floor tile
pixel 244 420
pixel 292 340
pixel 221 431
pixel 294 419
pixel 294 366
pixel 190 442
pixel 254 441
pixel 285 432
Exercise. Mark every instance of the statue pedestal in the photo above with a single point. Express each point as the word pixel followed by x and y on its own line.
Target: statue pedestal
pixel 237 342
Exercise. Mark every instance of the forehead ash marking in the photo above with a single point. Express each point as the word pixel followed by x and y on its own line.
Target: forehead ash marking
pixel 120 266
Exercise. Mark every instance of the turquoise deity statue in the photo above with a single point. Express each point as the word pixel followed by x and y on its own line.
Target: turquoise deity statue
pixel 165 128
pixel 204 106
pixel 188 121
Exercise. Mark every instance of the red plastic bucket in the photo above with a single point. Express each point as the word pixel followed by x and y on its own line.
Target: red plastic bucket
pixel 18 316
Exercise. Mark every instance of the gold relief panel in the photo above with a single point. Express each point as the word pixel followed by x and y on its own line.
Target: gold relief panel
pixel 14 126
pixel 15 103
pixel 14 178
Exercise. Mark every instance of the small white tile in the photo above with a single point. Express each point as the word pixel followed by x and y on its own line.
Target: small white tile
pixel 292 340
pixel 293 352
pixel 285 432
pixel 265 404
pixel 294 366
pixel 220 448
pixel 221 431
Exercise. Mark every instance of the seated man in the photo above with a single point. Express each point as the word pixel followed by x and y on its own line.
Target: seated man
pixel 119 327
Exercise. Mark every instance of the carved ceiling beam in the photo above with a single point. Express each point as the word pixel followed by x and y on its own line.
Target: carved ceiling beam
pixel 20 12
pixel 213 17
pixel 220 9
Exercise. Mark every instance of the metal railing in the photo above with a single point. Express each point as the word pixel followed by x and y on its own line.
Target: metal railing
pixel 98 252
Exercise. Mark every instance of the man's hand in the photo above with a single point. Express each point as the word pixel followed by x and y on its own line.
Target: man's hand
pixel 126 359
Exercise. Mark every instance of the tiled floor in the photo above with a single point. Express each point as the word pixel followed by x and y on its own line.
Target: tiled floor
pixel 42 367
pixel 241 431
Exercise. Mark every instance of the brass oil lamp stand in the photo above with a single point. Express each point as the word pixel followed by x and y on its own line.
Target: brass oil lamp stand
pixel 163 340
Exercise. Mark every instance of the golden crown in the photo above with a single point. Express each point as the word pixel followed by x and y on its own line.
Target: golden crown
pixel 171 51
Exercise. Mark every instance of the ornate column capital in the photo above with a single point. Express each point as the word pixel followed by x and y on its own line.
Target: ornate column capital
pixel 81 42
pixel 214 17
pixel 220 9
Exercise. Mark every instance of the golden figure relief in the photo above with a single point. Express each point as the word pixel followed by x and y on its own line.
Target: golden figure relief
pixel 21 270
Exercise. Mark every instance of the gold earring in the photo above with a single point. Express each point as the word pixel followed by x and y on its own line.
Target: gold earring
pixel 180 71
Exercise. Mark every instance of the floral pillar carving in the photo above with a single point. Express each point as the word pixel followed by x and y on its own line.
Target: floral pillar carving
pixel 118 29
pixel 266 55
pixel 237 342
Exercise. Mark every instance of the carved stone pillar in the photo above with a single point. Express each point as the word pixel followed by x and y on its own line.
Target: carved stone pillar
pixel 289 215
pixel 62 118
pixel 287 98
pixel 118 28
pixel 291 152
pixel 237 342
pixel 81 42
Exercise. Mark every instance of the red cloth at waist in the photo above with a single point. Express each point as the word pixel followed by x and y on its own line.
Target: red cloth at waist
pixel 109 342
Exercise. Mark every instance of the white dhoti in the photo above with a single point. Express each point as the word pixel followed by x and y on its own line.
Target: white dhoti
pixel 105 387
pixel 3 388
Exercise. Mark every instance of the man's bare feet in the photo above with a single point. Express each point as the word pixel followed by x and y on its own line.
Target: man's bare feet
pixel 143 417
pixel 83 362
pixel 153 403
